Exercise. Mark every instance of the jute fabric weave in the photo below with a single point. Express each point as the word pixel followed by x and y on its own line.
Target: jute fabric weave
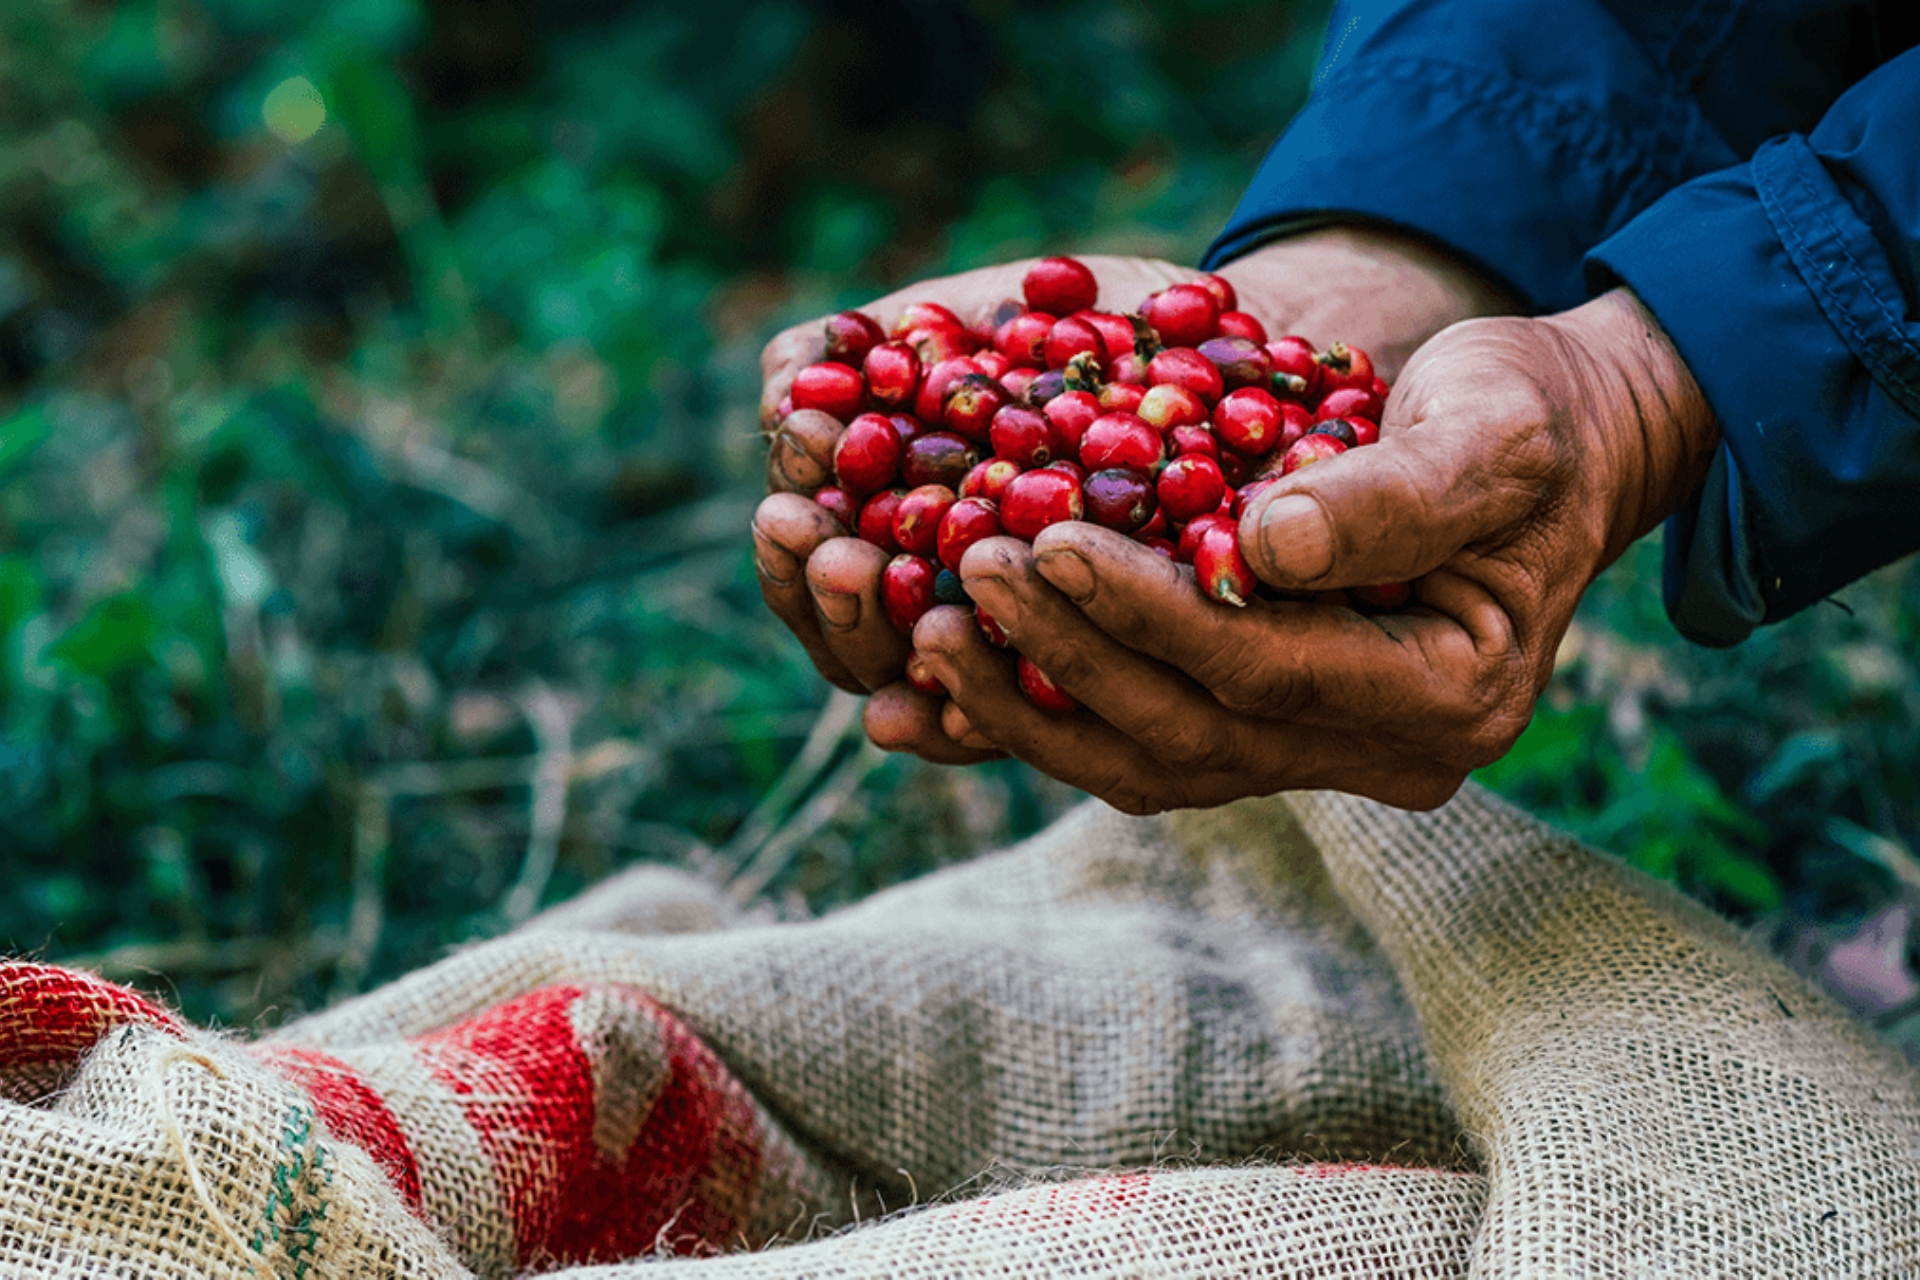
pixel 1305 1036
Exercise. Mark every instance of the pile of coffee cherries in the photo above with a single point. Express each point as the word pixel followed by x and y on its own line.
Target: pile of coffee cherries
pixel 1160 424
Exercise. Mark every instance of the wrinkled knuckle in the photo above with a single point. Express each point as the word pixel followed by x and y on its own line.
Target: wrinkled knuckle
pixel 1193 746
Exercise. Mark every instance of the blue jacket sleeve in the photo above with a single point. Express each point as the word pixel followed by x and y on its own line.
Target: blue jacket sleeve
pixel 1788 284
pixel 1667 132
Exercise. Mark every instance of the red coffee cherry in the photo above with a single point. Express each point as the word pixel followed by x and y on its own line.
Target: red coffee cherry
pixel 1022 339
pixel 1037 499
pixel 850 335
pixel 1221 289
pixel 1183 366
pixel 875 523
pixel 1190 486
pixel 917 315
pixel 1350 402
pixel 1185 315
pixel 839 504
pixel 1116 333
pixel 1296 370
pixel 1195 530
pixel 1345 366
pixel 1222 571
pixel 990 479
pixel 916 523
pixel 1072 337
pixel 892 371
pixel 930 401
pixel 867 458
pixel 1185 440
pixel 1238 324
pixel 1041 691
pixel 1171 405
pixel 921 678
pixel 971 404
pixel 1060 285
pixel 1308 450
pixel 1248 421
pixel 965 523
pixel 1122 440
pixel 1024 436
pixel 906 590
pixel 1071 413
pixel 831 388
pixel 1241 361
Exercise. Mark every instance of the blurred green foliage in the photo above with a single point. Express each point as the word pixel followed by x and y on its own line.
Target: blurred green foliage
pixel 377 441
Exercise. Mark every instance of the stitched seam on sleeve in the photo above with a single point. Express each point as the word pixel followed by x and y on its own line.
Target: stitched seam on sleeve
pixel 1864 345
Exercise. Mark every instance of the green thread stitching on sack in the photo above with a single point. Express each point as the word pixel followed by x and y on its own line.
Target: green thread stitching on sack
pixel 304 1173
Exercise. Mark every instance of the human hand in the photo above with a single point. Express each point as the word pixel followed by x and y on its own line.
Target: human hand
pixel 1383 290
pixel 1517 459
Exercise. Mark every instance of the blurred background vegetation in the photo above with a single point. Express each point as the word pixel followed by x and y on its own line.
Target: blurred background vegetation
pixel 377 443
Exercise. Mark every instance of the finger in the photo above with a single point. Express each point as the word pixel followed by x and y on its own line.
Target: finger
pixel 787 530
pixel 1441 681
pixel 1179 722
pixel 800 453
pixel 899 717
pixel 954 723
pixel 1400 508
pixel 844 578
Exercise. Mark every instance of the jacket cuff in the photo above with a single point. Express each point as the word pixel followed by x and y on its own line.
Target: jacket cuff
pixel 1773 290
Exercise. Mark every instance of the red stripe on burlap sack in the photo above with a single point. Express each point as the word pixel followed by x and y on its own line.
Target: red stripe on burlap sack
pixel 1081 1200
pixel 351 1110
pixel 686 1178
pixel 50 1017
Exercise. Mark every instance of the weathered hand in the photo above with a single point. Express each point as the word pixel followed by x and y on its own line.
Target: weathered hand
pixel 1517 459
pixel 1377 288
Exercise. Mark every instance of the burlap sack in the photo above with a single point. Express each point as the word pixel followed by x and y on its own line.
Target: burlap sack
pixel 1634 1091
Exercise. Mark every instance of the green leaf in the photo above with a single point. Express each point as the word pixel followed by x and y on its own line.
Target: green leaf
pixel 20 435
pixel 111 637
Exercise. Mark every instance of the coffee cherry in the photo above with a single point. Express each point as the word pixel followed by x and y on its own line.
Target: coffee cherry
pixel 839 504
pixel 1171 405
pixel 1024 436
pixel 1308 450
pixel 1235 467
pixel 832 388
pixel 1130 371
pixel 1345 366
pixel 1183 366
pixel 1022 339
pixel 907 425
pixel 938 457
pixel 1041 691
pixel 1122 440
pixel 1195 530
pixel 1296 370
pixel 921 678
pixel 1222 571
pixel 1072 337
pixel 850 335
pixel 1241 361
pixel 1121 498
pixel 1379 387
pixel 1120 397
pixel 989 479
pixel 971 404
pixel 1199 440
pixel 1248 421
pixel 1155 527
pixel 1184 315
pixel 1350 402
pixel 1339 428
pixel 867 458
pixel 965 523
pixel 1238 324
pixel 875 523
pixel 936 342
pixel 916 315
pixel 1190 486
pixel 948 589
pixel 1159 547
pixel 906 590
pixel 1365 430
pixel 930 401
pixel 996 634
pixel 1060 285
pixel 1221 289
pixel 1046 384
pixel 1071 413
pixel 1037 499
pixel 1116 333
pixel 916 524
pixel 892 373
pixel 1068 467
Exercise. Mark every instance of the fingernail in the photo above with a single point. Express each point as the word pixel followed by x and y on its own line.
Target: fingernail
pixel 997 598
pixel 1069 572
pixel 842 612
pixel 766 571
pixel 1297 538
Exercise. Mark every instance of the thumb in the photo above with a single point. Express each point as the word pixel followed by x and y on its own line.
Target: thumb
pixel 1389 512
